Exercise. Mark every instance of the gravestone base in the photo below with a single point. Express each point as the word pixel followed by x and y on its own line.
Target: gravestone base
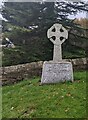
pixel 56 72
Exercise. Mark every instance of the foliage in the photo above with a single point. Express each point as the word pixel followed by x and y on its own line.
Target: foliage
pixel 28 99
pixel 27 26
pixel 83 22
pixel 13 56
pixel 41 14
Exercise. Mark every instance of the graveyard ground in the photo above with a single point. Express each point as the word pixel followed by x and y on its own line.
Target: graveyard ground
pixel 28 99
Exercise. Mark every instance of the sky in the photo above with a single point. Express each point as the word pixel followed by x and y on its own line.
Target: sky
pixel 79 15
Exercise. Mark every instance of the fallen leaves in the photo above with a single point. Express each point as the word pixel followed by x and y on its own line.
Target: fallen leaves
pixel 68 94
pixel 12 108
pixel 62 96
pixel 67 109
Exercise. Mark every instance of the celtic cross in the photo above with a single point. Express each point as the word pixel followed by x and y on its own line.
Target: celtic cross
pixel 57 35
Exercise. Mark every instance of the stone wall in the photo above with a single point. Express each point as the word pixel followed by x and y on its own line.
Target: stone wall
pixel 13 74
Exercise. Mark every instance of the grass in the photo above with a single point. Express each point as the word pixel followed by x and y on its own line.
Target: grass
pixel 28 99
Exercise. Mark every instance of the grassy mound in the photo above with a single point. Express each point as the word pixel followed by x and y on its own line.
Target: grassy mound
pixel 28 99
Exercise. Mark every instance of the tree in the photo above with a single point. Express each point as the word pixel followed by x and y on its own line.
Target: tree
pixel 31 21
pixel 26 14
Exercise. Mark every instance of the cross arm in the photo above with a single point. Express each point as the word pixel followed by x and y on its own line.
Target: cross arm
pixel 52 40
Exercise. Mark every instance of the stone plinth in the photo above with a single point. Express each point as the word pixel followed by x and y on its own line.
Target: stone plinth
pixel 56 72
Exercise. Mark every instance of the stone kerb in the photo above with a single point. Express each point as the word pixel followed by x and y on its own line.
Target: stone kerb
pixel 20 67
pixel 12 74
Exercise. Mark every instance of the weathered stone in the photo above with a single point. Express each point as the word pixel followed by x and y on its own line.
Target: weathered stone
pixel 57 35
pixel 56 72
pixel 11 74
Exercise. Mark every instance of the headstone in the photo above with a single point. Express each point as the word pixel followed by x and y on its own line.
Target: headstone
pixel 57 70
pixel 57 35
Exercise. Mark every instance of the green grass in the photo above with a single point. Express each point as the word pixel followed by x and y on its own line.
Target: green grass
pixel 28 99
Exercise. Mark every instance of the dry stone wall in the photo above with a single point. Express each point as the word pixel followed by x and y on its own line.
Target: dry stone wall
pixel 13 74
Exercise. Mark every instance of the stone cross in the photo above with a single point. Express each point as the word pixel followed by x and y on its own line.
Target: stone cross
pixel 57 35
